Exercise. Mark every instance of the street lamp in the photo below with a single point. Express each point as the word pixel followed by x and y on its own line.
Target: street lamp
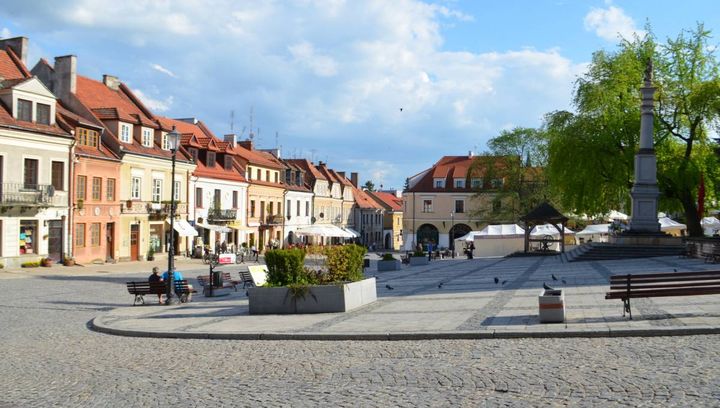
pixel 173 139
pixel 452 234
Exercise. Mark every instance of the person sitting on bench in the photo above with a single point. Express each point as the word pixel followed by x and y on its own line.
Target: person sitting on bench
pixel 154 278
pixel 176 277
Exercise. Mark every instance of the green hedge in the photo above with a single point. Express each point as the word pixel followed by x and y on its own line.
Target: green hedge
pixel 345 263
pixel 285 267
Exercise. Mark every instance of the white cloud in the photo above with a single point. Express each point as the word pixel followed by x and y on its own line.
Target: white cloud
pixel 611 23
pixel 5 33
pixel 154 104
pixel 160 68
pixel 305 54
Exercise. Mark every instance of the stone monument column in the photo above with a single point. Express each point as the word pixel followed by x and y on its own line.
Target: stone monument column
pixel 645 189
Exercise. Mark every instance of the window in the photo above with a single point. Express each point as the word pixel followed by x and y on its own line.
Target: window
pixel 80 234
pixel 124 133
pixel 427 206
pixel 459 183
pixel 176 197
pixel 31 174
pixel 267 175
pixel 228 162
pixel 497 183
pixel 24 110
pixel 147 137
pixel 193 153
pixel 110 189
pixel 476 183
pixel 288 210
pixel 97 188
pixel 276 176
pixel 258 175
pixel 298 178
pixel 95 234
pixel 288 176
pixel 262 209
pixel 298 208
pixel 279 208
pixel 87 137
pixel 58 175
pixel 216 199
pixel 252 208
pixel 459 206
pixel 166 145
pixel 439 183
pixel 135 188
pixel 43 114
pixel 198 197
pixel 307 208
pixel 235 199
pixel 270 208
pixel 157 190
pixel 81 187
pixel 211 159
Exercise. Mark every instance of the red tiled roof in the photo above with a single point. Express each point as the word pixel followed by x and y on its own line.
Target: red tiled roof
pixel 363 200
pixel 311 172
pixel 74 121
pixel 255 157
pixel 10 65
pixel 390 200
pixel 451 167
pixel 103 100
pixel 342 180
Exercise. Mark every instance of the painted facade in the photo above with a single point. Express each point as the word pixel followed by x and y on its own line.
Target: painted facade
pixel 392 218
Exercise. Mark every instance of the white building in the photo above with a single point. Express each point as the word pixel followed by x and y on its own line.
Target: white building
pixel 298 203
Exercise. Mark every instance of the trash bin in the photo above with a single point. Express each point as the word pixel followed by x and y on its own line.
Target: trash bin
pixel 551 306
pixel 217 279
pixel 366 263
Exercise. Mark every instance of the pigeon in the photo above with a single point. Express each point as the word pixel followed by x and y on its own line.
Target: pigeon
pixel 440 285
pixel 388 287
pixel 504 282
pixel 496 280
pixel 674 270
pixel 553 277
pixel 546 287
pixel 563 281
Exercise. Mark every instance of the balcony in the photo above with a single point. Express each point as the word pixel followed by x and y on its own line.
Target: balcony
pixel 218 214
pixel 32 195
pixel 274 220
pixel 150 207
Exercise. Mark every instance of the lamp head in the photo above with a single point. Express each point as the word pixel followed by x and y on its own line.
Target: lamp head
pixel 173 139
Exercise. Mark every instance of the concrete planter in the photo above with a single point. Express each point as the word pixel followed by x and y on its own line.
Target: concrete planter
pixel 316 299
pixel 551 306
pixel 419 260
pixel 393 265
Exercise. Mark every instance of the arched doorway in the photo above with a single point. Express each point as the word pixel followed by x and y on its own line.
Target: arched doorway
pixel 291 236
pixel 457 231
pixel 427 233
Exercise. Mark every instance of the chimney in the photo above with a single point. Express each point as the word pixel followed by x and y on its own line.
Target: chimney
pixel 341 173
pixel 230 139
pixel 19 46
pixel 248 144
pixel 354 179
pixel 111 82
pixel 65 77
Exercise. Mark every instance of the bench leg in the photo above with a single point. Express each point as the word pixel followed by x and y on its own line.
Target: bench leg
pixel 626 307
pixel 139 298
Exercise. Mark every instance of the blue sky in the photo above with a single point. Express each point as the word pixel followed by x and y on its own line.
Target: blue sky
pixel 330 76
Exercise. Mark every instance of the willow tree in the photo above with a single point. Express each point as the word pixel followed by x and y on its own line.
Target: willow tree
pixel 591 152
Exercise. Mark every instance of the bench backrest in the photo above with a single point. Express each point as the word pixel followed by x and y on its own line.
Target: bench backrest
pixel 702 281
pixel 145 287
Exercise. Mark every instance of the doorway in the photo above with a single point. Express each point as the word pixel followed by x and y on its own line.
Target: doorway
pixel 110 241
pixel 134 242
pixel 55 235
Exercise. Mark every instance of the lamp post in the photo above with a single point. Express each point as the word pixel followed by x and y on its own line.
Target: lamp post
pixel 452 235
pixel 174 141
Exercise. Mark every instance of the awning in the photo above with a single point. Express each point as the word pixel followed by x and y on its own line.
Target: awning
pixel 217 228
pixel 184 228
pixel 324 230
pixel 352 231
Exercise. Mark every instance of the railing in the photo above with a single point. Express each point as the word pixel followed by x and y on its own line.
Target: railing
pixel 28 194
pixel 220 214
pixel 274 220
pixel 150 207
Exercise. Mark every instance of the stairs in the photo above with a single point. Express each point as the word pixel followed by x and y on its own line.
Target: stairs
pixel 598 251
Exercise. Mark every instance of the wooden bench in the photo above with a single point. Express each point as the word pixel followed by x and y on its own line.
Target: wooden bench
pixel 140 289
pixel 227 281
pixel 625 287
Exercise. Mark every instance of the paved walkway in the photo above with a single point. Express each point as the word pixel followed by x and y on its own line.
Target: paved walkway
pixel 448 299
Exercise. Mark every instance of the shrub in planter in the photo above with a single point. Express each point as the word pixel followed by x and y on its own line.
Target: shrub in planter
pixel 418 253
pixel 30 264
pixel 388 257
pixel 345 263
pixel 46 262
pixel 285 267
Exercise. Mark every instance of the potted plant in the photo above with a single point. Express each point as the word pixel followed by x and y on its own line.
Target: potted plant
pixel 388 263
pixel 80 203
pixel 151 253
pixel 418 258
pixel 337 286
pixel 46 262
pixel 69 261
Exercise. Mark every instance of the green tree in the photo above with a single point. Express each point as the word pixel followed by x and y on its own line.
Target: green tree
pixel 591 152
pixel 527 143
pixel 369 186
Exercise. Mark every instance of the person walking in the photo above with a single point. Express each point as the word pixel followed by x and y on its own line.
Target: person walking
pixel 430 249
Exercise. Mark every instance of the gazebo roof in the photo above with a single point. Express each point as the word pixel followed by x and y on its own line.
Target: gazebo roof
pixel 544 213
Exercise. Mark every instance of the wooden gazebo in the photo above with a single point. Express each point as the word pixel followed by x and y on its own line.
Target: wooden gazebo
pixel 543 214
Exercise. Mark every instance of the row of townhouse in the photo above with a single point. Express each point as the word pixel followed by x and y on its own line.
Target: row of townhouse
pixel 86 171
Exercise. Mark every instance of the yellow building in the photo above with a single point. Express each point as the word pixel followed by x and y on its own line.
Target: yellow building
pixel 392 218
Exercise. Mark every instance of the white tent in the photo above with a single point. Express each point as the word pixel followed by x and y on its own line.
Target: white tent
pixel 616 215
pixel 594 233
pixel 710 225
pixel 499 240
pixel 671 226
pixel 469 237
pixel 324 230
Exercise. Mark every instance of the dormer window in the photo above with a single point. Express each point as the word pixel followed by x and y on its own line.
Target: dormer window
pixel 298 178
pixel 147 137
pixel 211 159
pixel 193 151
pixel 288 176
pixel 87 137
pixel 43 114
pixel 125 133
pixel 476 183
pixel 459 183
pixel 166 145
pixel 228 162
pixel 439 183
pixel 24 110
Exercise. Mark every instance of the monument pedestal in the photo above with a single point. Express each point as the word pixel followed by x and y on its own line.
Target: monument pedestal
pixel 644 238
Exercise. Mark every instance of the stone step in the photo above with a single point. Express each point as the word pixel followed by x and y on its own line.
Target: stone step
pixel 604 251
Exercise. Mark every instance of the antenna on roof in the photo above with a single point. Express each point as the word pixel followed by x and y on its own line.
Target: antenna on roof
pixel 251 135
pixel 312 156
pixel 232 121
pixel 276 139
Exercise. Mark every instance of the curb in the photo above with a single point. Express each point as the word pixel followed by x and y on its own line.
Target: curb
pixel 99 327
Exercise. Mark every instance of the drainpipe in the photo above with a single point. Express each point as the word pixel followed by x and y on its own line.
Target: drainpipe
pixel 71 196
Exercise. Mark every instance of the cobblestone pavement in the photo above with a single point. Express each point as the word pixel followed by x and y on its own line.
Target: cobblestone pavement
pixel 50 358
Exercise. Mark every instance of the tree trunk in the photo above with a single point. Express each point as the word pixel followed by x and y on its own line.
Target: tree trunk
pixel 691 216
